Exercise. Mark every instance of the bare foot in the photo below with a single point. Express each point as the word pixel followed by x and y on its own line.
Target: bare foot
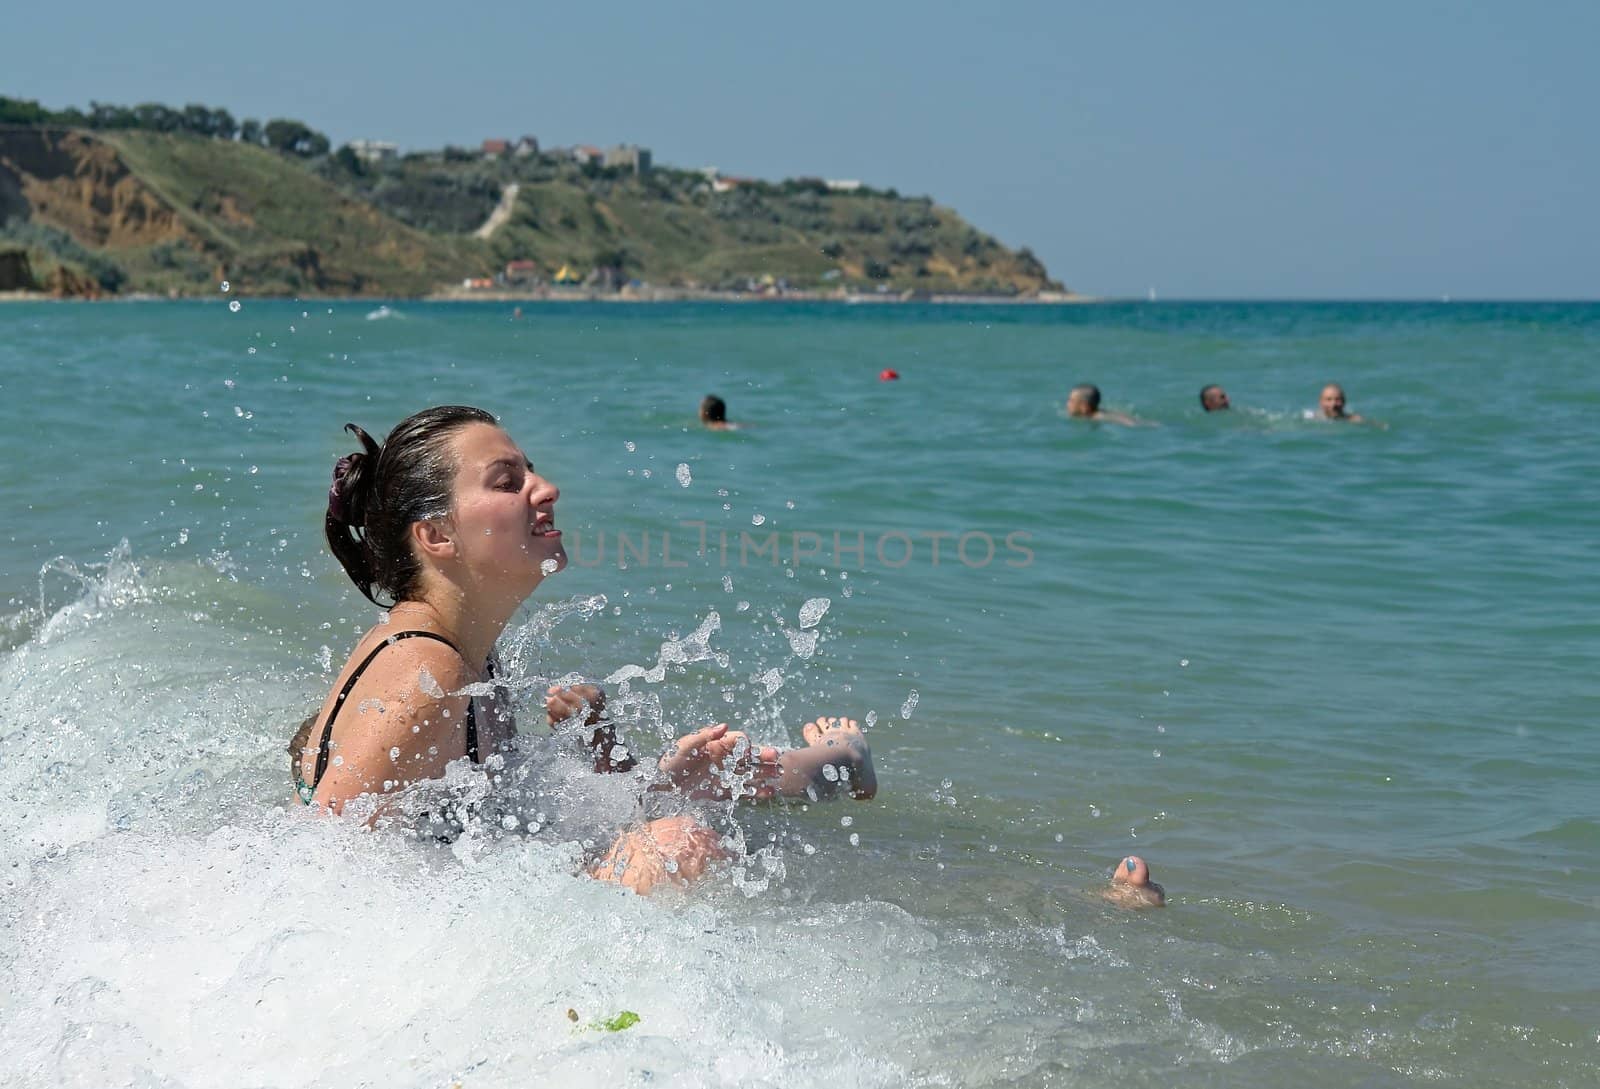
pixel 836 757
pixel 1131 886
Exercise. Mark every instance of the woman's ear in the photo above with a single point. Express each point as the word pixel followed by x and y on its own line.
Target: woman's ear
pixel 435 537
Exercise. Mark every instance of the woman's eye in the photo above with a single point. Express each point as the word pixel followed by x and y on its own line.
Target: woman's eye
pixel 509 485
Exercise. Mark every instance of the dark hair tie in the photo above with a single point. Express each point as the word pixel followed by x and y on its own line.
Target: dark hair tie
pixel 341 469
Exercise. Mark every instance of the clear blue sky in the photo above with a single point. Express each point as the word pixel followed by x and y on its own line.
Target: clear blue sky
pixel 1262 150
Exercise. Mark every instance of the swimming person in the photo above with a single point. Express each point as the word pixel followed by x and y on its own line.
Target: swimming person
pixel 449 520
pixel 1084 403
pixel 1331 404
pixel 714 413
pixel 1131 886
pixel 1214 399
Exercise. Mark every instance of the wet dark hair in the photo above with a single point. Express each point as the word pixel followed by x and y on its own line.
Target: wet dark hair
pixel 714 409
pixel 379 491
pixel 1205 390
pixel 1090 394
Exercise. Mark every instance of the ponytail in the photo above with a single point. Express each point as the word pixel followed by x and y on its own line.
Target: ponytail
pixel 346 522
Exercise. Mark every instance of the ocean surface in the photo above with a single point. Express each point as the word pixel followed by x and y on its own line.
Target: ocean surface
pixel 1337 683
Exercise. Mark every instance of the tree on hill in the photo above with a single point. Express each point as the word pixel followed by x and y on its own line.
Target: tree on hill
pixel 295 138
pixel 204 121
pixel 22 111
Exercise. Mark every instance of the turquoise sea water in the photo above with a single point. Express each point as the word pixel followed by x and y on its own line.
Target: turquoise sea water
pixel 1337 684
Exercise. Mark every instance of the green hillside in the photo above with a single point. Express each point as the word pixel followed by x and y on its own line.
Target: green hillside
pixel 132 210
pixel 277 228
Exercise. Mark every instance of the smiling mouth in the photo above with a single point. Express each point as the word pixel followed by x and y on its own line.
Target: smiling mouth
pixel 544 525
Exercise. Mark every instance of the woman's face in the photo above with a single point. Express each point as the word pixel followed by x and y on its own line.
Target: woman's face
pixel 504 512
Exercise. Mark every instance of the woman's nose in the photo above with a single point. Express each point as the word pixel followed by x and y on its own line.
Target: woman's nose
pixel 543 491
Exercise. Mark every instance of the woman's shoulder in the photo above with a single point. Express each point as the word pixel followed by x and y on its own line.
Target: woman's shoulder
pixel 415 665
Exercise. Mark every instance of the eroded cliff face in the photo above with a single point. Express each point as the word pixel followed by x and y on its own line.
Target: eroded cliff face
pixel 73 182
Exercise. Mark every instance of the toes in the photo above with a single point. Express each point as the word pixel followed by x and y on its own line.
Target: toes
pixel 811 732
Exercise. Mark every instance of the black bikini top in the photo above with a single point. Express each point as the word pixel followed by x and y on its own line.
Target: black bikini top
pixel 327 730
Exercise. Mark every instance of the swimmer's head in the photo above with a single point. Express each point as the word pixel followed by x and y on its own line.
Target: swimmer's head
pixel 1132 871
pixel 1214 398
pixel 1084 400
pixel 1331 402
pixel 713 409
pixel 447 488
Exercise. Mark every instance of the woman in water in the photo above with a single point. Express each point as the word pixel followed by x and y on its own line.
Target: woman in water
pixel 449 520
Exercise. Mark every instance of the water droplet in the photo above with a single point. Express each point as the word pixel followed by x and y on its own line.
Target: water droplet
pixel 1094 811
pixel 338 761
pixel 789 503
pixel 228 382
pixel 830 773
pixel 909 705
pixel 855 839
pixel 183 536
pixel 629 446
pixel 846 821
pixel 254 469
pixel 1183 663
pixel 684 476
pixel 1156 753
pixel 234 306
pixel 508 822
pixel 252 351
pixel 238 411
pixel 394 753
pixel 727 584
pixel 757 519
pixel 549 566
pixel 226 287
pixel 1058 837
pixel 812 612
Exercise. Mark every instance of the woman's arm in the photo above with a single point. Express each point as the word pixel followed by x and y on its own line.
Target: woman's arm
pixel 398 726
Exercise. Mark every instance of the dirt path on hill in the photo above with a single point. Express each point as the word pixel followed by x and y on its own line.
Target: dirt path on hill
pixel 501 213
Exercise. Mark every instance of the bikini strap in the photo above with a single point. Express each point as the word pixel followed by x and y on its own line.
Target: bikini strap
pixel 338 704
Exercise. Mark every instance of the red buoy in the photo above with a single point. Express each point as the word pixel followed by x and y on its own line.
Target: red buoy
pixel 888 374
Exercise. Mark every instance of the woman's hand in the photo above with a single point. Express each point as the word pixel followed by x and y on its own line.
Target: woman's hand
pixel 587 703
pixel 697 762
pixel 561 704
pixel 672 849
